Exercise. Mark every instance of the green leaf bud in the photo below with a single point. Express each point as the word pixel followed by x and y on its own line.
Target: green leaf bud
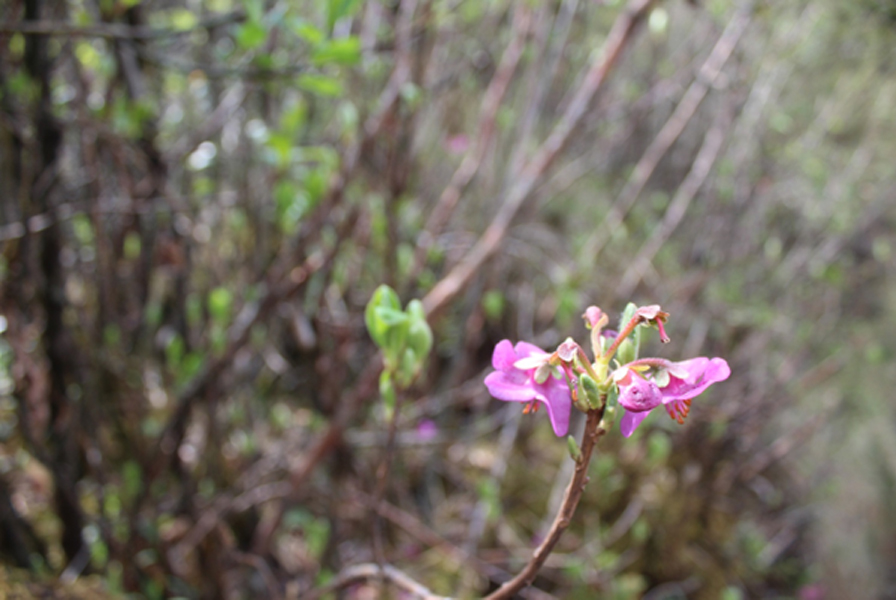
pixel 574 450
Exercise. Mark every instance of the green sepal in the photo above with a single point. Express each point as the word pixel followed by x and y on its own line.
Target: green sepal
pixel 542 373
pixel 574 450
pixel 592 391
pixel 612 397
pixel 627 315
pixel 627 351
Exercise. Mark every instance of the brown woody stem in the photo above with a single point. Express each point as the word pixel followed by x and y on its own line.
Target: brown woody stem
pixel 574 490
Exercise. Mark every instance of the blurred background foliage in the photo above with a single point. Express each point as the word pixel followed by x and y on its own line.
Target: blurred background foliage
pixel 198 199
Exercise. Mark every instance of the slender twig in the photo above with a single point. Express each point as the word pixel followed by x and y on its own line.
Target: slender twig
pixel 593 431
pixel 673 128
pixel 366 571
pixel 223 113
pixel 458 278
pixel 223 507
pixel 115 30
pixel 472 160
pixel 258 563
pixel 479 517
pixel 382 477
pixel 348 408
pixel 400 73
pixel 542 79
pixel 426 535
pixel 365 387
pixel 706 158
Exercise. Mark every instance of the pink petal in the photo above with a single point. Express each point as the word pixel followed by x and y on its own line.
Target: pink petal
pixel 504 356
pixel 530 362
pixel 639 394
pixel 556 397
pixel 630 421
pixel 702 372
pixel 507 387
pixel 525 349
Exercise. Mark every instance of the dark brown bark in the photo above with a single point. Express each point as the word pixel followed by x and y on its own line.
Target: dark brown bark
pixel 64 452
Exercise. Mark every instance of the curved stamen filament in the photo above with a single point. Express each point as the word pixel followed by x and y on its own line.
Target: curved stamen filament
pixel 531 408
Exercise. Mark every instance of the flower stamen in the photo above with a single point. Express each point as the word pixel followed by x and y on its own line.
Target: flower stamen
pixel 530 408
pixel 679 410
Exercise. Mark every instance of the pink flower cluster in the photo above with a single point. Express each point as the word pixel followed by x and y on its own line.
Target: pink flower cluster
pixel 526 373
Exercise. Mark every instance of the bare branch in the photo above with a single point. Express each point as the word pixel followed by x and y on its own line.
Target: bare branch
pixel 488 243
pixel 684 112
pixel 686 192
pixel 115 30
pixel 366 571
pixel 472 160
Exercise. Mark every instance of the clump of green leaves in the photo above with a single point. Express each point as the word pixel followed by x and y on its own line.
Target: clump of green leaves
pixel 403 336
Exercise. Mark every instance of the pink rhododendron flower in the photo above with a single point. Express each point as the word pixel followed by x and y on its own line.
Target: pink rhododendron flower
pixel 522 374
pixel 673 385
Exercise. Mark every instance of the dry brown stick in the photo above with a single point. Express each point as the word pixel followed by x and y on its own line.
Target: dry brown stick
pixel 782 446
pixel 400 73
pixel 479 516
pixel 526 576
pixel 706 158
pixel 621 33
pixel 348 408
pixel 264 570
pixel 366 571
pixel 382 477
pixel 213 515
pixel 231 102
pixel 542 78
pixel 371 127
pixel 114 30
pixel 472 160
pixel 238 335
pixel 687 107
pixel 426 535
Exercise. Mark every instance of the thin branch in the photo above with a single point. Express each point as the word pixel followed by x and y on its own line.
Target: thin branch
pixel 472 160
pixel 348 408
pixel 423 533
pixel 506 440
pixel 382 476
pixel 115 30
pixel 367 571
pixel 213 515
pixel 593 431
pixel 706 158
pixel 542 79
pixel 675 125
pixel 259 564
pixel 237 336
pixel 458 278
pixel 223 113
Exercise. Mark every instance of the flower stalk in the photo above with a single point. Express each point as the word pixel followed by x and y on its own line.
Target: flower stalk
pixel 593 432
